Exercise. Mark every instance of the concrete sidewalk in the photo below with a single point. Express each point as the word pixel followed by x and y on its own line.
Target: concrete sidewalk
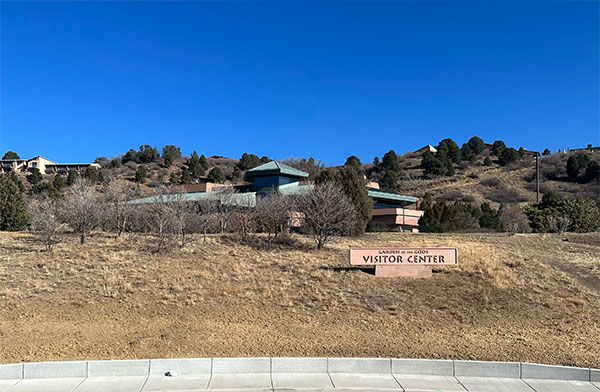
pixel 290 374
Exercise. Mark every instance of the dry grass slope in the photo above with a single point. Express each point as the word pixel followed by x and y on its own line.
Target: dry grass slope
pixel 520 298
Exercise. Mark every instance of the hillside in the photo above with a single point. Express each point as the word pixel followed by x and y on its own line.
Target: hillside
pixel 472 181
pixel 527 297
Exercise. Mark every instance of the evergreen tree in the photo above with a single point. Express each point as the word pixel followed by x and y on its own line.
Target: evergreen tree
pixel 42 187
pixel 216 175
pixel 490 218
pixel 248 161
pixel 354 186
pixel 185 177
pixel 435 165
pixel 102 161
pixel 72 177
pixel 14 178
pixel 353 162
pixel 35 176
pixel 195 167
pixel 59 182
pixel 439 216
pixel 508 155
pixel 237 174
pixel 577 164
pixel 173 179
pixel 173 151
pixel 376 161
pixel 389 181
pixel 91 174
pixel 546 152
pixel 167 160
pixel 204 162
pixel 451 149
pixel 264 159
pixel 487 162
pixel 13 209
pixel 147 154
pixel 11 155
pixel 592 172
pixel 582 214
pixel 476 145
pixel 467 153
pixel 498 147
pixel 114 163
pixel 389 161
pixel 130 156
pixel 140 174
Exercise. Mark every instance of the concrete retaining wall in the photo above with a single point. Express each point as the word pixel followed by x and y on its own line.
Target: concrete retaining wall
pixel 208 366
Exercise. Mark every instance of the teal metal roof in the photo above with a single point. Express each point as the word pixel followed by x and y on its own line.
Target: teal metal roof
pixel 275 167
pixel 387 195
pixel 247 199
pixel 294 189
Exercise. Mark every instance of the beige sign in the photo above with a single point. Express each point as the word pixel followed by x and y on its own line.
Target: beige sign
pixel 403 256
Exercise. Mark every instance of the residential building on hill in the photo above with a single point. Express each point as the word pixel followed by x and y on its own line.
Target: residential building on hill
pixel 391 210
pixel 44 165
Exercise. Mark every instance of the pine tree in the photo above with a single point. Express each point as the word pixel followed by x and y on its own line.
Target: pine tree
pixel 354 186
pixel 59 182
pixel 72 177
pixel 248 161
pixel 389 161
pixel 389 181
pixel 353 162
pixel 35 176
pixel 173 179
pixel 451 149
pixel 216 175
pixel 203 162
pixel 140 174
pixel 11 155
pixel 185 176
pixel 195 167
pixel 476 145
pixel 91 174
pixel 13 209
pixel 487 162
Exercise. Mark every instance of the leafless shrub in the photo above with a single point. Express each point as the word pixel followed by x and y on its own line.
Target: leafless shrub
pixel 553 167
pixel 117 213
pixel 45 221
pixel 243 222
pixel 514 220
pixel 558 224
pixel 159 219
pixel 80 209
pixel 492 182
pixel 225 199
pixel 184 213
pixel 452 195
pixel 327 213
pixel 504 194
pixel 273 214
pixel 207 219
pixel 410 181
pixel 310 165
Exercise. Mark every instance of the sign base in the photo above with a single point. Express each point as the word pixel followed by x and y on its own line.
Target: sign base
pixel 406 271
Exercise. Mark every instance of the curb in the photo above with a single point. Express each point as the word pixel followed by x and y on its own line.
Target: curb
pixel 277 365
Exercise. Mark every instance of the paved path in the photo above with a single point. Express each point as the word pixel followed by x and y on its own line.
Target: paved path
pixel 294 374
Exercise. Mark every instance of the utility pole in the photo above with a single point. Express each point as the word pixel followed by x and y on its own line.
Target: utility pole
pixel 537 177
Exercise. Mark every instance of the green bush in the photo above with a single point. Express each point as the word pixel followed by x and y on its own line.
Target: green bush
pixel 13 209
pixel 581 214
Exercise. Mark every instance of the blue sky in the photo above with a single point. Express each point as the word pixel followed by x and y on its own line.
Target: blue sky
pixel 87 79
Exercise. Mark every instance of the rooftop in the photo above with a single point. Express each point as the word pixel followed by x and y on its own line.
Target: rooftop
pixel 275 167
pixel 387 195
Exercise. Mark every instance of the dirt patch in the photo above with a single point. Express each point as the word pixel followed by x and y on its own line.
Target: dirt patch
pixel 512 298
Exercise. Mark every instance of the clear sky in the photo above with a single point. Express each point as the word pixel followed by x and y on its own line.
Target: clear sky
pixel 87 79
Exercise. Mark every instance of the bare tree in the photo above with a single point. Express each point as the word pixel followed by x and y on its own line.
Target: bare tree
pixel 183 212
pixel 273 214
pixel 327 213
pixel 117 212
pixel 226 206
pixel 514 220
pixel 80 207
pixel 207 219
pixel 159 218
pixel 45 221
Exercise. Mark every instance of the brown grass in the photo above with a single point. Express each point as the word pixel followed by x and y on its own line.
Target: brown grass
pixel 512 298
